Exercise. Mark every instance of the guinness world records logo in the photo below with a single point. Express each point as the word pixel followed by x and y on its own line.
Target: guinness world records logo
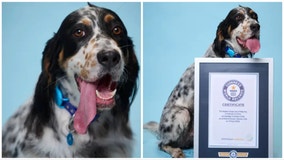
pixel 233 90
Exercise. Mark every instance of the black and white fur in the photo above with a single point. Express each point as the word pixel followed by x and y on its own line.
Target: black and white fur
pixel 91 43
pixel 176 129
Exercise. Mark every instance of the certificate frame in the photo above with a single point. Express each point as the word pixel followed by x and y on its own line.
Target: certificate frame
pixel 261 70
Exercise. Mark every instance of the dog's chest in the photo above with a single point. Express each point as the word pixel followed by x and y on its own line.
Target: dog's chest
pixel 57 141
pixel 56 145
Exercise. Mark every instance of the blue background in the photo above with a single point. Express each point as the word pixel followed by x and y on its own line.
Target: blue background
pixel 175 33
pixel 26 27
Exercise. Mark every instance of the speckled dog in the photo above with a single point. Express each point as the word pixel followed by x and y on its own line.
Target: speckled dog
pixel 237 36
pixel 82 99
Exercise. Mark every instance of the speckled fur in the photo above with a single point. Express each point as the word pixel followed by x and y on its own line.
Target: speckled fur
pixel 39 127
pixel 176 129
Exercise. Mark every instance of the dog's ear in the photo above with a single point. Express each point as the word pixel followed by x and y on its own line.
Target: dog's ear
pixel 128 87
pixel 51 59
pixel 219 43
pixel 41 111
pixel 223 32
pixel 132 67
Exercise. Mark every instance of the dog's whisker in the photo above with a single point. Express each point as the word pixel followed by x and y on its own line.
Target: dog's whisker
pixel 124 46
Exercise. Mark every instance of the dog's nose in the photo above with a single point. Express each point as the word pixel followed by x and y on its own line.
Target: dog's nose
pixel 255 27
pixel 108 59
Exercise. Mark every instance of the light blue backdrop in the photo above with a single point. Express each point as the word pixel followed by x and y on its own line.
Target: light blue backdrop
pixel 26 27
pixel 176 33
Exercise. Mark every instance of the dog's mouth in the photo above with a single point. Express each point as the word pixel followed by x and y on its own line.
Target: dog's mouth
pixel 252 44
pixel 94 96
pixel 105 90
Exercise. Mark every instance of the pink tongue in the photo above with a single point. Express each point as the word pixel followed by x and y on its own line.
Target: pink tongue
pixel 253 45
pixel 87 108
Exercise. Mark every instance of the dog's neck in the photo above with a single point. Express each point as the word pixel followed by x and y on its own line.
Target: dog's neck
pixel 69 89
pixel 64 103
pixel 231 51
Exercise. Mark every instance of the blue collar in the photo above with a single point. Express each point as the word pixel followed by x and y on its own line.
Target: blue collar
pixel 63 102
pixel 231 53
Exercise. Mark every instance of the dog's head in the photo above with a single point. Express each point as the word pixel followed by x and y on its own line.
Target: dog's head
pixel 93 51
pixel 240 31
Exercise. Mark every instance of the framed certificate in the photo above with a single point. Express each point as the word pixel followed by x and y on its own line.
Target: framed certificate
pixel 233 107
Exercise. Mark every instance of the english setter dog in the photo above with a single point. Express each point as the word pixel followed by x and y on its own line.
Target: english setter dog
pixel 237 36
pixel 81 103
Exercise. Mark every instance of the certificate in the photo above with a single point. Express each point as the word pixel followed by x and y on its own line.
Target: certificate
pixel 233 110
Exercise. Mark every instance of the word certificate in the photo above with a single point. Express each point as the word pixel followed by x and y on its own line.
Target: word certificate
pixel 233 110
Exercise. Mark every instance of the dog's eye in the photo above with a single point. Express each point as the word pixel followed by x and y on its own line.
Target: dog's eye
pixel 79 33
pixel 117 30
pixel 239 17
pixel 254 16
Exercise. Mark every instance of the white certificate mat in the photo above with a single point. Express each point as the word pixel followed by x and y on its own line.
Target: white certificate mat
pixel 233 110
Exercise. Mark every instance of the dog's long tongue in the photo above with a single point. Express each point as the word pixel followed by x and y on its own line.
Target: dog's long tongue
pixel 87 108
pixel 253 45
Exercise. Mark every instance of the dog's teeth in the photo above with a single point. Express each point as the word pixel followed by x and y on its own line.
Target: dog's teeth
pixel 104 97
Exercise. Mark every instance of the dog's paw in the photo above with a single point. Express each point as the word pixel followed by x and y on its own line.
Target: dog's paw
pixel 178 153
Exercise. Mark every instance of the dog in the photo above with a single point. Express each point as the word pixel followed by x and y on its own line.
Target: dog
pixel 237 36
pixel 81 103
